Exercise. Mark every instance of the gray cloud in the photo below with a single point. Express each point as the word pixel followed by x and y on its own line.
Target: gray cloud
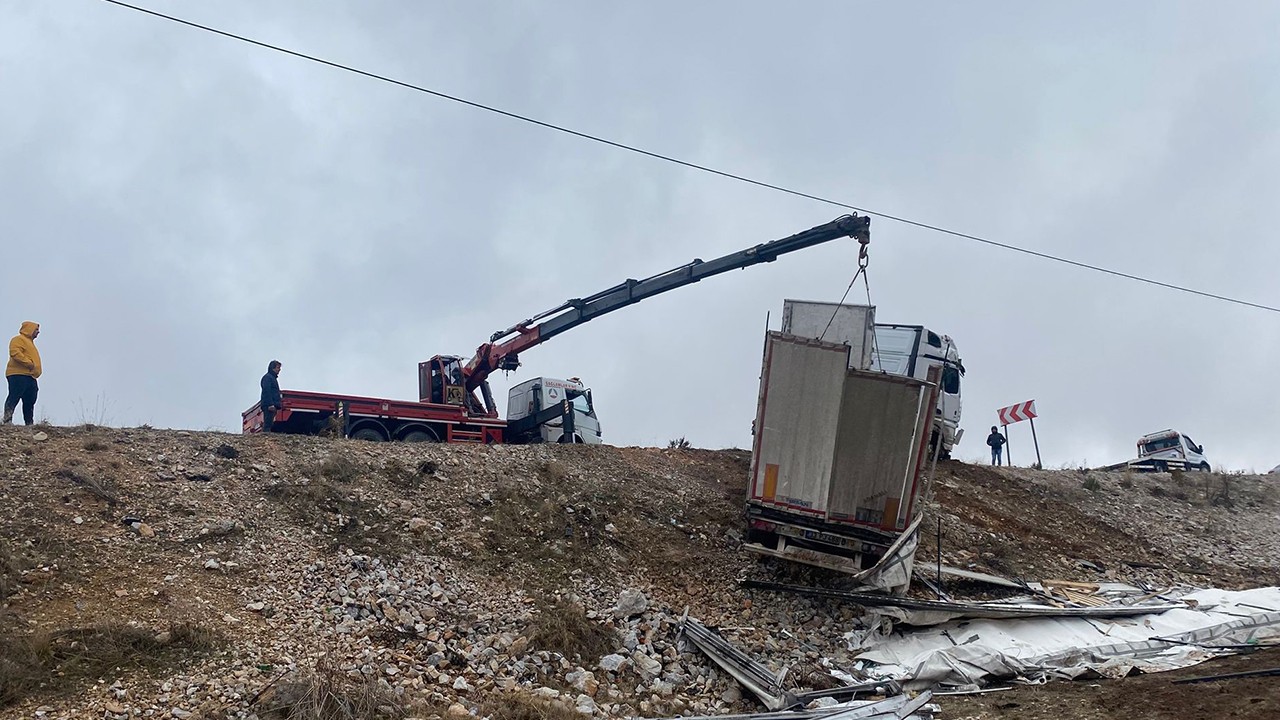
pixel 178 208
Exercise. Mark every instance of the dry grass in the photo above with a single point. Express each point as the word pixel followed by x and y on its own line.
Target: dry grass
pixel 523 706
pixel 553 472
pixel 325 693
pixel 101 488
pixel 545 528
pixel 402 475
pixel 565 628
pixel 12 562
pixel 1217 491
pixel 18 556
pixel 54 663
pixel 95 445
pixel 342 469
pixel 357 524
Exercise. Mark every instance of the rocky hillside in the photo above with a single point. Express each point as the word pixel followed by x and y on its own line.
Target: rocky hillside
pixel 150 573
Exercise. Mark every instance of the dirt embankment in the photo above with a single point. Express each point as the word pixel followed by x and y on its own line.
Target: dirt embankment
pixel 155 573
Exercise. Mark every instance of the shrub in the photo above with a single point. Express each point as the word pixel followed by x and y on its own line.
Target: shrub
pixel 523 706
pixel 56 662
pixel 326 693
pixel 340 469
pixel 565 628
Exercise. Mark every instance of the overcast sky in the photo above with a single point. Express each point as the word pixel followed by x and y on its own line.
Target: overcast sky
pixel 177 208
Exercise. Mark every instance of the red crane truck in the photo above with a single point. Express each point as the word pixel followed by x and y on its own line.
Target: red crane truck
pixel 448 407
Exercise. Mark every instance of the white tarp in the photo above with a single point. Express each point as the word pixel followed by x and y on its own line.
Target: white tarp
pixel 973 651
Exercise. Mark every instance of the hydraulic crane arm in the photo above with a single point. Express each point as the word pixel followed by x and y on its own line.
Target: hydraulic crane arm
pixel 503 354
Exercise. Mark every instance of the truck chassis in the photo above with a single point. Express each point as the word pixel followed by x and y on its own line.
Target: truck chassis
pixel 365 418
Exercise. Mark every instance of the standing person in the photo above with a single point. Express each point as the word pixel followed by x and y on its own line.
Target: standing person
pixel 996 441
pixel 21 372
pixel 271 401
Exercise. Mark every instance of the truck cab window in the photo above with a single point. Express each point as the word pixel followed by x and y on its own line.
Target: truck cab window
pixel 933 339
pixel 950 380
pixel 1156 446
pixel 580 402
pixel 437 383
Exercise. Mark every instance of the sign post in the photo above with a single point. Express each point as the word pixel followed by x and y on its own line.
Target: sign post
pixel 1008 449
pixel 1032 420
pixel 1015 414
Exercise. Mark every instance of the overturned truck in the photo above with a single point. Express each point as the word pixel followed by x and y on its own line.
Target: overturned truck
pixel 837 462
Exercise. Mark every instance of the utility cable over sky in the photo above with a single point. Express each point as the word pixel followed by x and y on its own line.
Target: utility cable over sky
pixel 693 165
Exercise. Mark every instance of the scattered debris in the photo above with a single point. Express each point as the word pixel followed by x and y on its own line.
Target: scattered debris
pixel 972 652
pixel 755 677
pixel 933 612
pixel 1228 676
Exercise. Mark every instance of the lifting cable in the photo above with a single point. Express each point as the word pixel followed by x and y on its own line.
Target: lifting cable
pixel 862 272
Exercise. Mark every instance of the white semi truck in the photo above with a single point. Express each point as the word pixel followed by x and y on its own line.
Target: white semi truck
pixel 531 397
pixel 906 350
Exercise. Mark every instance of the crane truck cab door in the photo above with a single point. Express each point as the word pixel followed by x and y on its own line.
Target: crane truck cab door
pixel 585 423
pixel 524 399
pixel 441 381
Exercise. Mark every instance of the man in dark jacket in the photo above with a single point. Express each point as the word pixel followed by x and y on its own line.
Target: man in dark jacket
pixel 271 401
pixel 996 441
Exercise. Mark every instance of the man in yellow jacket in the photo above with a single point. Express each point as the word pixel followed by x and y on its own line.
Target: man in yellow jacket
pixel 22 371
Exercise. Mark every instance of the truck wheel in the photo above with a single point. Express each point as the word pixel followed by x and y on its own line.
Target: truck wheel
pixel 367 434
pixel 419 436
pixel 1204 467
pixel 1160 466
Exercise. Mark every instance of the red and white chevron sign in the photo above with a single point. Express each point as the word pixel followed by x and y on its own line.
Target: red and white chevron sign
pixel 1017 413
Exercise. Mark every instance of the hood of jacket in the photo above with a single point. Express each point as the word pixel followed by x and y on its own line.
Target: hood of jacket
pixel 28 328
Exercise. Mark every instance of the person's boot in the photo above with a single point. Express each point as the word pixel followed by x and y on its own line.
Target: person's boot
pixel 8 416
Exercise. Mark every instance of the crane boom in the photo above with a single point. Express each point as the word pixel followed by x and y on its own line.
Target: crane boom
pixel 504 346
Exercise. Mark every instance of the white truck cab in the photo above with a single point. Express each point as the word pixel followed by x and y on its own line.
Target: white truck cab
pixel 907 350
pixel 533 396
pixel 1171 450
pixel 911 350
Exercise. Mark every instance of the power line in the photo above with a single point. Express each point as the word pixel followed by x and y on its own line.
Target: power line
pixel 686 163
